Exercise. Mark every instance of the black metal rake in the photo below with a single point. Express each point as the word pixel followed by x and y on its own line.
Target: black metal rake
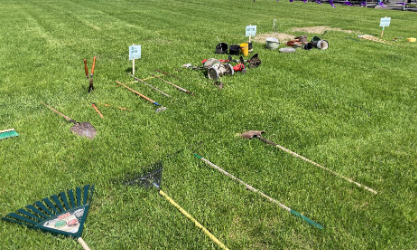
pixel 62 214
pixel 154 179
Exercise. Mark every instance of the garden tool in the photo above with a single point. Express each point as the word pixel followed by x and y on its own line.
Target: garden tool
pixel 254 61
pixel 154 179
pixel 82 129
pixel 257 134
pixel 62 214
pixel 91 87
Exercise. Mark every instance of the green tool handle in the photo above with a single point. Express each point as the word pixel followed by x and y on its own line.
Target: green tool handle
pixel 212 237
pixel 309 221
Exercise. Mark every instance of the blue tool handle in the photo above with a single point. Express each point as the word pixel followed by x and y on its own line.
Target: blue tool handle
pixel 309 221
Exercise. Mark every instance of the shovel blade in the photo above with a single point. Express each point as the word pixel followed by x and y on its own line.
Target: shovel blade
pixel 84 129
pixel 252 133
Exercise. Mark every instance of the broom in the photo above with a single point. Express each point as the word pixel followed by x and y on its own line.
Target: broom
pixel 62 214
pixel 4 134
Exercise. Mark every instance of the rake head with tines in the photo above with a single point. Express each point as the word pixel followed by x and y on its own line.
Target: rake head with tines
pixel 152 179
pixel 62 214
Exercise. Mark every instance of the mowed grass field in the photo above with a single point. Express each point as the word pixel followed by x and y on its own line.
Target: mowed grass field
pixel 350 108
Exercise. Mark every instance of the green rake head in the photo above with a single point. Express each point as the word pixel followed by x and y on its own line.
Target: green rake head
pixel 62 214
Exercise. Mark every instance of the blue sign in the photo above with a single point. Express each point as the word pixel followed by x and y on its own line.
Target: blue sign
pixel 134 52
pixel 385 22
pixel 251 30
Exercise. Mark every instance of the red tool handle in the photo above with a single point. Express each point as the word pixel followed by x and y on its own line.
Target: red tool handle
pixel 94 64
pixel 86 69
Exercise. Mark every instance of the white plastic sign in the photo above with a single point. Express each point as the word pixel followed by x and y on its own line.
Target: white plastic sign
pixel 385 22
pixel 134 52
pixel 251 30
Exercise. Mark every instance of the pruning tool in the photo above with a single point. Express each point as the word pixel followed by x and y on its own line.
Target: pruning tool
pixel 90 78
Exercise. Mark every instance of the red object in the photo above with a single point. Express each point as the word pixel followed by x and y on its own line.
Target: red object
pixel 239 67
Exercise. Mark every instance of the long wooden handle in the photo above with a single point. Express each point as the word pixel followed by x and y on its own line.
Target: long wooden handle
pixel 178 87
pixel 86 69
pixel 83 244
pixel 317 165
pixel 94 65
pixel 309 221
pixel 56 111
pixel 142 81
pixel 98 111
pixel 207 232
pixel 134 91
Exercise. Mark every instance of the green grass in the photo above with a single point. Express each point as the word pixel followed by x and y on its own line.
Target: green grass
pixel 350 108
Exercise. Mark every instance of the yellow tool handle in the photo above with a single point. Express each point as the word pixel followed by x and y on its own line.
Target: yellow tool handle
pixel 212 237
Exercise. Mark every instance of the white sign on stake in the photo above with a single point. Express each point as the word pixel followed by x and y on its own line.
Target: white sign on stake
pixel 250 30
pixel 134 53
pixel 385 21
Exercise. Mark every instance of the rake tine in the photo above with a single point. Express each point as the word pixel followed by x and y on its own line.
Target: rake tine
pixel 71 197
pixel 57 202
pixel 20 218
pixel 79 196
pixel 86 188
pixel 51 205
pixel 24 212
pixel 42 206
pixel 35 210
pixel 296 214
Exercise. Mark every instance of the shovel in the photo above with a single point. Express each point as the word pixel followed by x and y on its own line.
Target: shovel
pixel 81 129
pixel 258 134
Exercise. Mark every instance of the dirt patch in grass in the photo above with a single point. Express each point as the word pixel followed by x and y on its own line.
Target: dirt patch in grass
pixel 319 29
pixel 281 37
pixel 284 37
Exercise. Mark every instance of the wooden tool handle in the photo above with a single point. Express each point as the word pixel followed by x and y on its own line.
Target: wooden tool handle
pixel 56 111
pixel 86 69
pixel 98 111
pixel 144 97
pixel 207 232
pixel 94 65
pixel 83 244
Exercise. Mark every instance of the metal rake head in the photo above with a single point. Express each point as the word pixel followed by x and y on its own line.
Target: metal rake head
pixel 153 178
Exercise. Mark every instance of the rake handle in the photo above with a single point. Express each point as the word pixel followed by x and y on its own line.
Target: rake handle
pixel 178 87
pixel 134 91
pixel 56 111
pixel 212 237
pixel 316 164
pixel 83 244
pixel 152 87
pixel 309 221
